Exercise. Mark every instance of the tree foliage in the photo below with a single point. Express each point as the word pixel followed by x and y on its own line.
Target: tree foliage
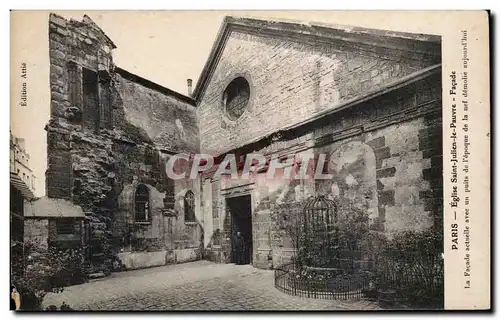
pixel 318 244
pixel 37 271
pixel 412 263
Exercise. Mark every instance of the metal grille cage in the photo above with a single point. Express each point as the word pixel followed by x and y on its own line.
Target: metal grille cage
pixel 319 234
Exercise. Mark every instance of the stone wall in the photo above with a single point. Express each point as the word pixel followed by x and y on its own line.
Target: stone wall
pixel 169 122
pixel 140 260
pixel 385 157
pixel 302 77
pixel 109 132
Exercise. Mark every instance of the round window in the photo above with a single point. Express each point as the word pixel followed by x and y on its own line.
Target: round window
pixel 236 97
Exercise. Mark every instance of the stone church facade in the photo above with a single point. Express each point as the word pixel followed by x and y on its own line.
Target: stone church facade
pixel 370 98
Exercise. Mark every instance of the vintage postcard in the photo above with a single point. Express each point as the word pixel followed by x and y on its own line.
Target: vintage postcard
pixel 250 160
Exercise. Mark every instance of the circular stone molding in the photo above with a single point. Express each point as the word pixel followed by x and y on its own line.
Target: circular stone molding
pixel 236 97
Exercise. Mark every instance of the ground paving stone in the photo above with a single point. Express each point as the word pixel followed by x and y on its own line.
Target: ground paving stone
pixel 198 285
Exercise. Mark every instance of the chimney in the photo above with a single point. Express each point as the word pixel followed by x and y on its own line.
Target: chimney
pixel 190 87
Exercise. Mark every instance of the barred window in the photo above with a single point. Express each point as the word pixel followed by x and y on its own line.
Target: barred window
pixel 142 212
pixel 66 226
pixel 189 215
pixel 68 233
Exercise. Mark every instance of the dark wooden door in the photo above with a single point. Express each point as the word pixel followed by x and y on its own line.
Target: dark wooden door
pixel 241 221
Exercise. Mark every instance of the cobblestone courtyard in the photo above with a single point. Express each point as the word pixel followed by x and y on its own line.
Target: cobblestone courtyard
pixel 198 285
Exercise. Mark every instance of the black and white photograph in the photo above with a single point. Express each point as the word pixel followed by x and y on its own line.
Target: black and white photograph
pixel 234 161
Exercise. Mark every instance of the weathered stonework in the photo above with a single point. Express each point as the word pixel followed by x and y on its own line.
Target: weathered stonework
pixel 370 101
pixel 381 161
pixel 302 77
pixel 106 138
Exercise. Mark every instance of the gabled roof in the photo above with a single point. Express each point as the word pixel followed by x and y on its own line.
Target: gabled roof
pixel 153 85
pixel 298 31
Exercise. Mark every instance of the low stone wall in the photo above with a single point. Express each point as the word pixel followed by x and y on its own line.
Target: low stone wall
pixel 263 259
pixel 187 255
pixel 213 254
pixel 141 260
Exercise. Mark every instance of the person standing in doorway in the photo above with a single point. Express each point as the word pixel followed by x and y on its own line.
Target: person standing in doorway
pixel 239 245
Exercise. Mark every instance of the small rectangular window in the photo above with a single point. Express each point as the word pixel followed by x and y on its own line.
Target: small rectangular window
pixel 67 232
pixel 66 226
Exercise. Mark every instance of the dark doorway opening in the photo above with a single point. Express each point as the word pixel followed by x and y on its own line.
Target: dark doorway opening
pixel 241 217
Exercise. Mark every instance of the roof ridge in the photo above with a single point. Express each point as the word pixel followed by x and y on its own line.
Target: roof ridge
pixel 411 42
pixel 153 85
pixel 341 27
